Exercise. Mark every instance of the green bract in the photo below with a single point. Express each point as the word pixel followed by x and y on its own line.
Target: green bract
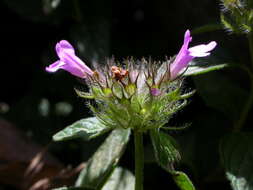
pixel 140 96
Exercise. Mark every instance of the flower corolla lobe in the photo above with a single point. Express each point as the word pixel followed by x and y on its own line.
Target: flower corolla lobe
pixel 69 61
pixel 186 54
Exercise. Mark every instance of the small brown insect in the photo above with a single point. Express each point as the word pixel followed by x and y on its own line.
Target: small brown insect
pixel 118 73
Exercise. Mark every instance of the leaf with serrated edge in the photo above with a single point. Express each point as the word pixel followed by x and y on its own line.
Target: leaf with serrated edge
pixel 85 128
pixel 120 179
pixel 236 155
pixel 182 180
pixel 104 160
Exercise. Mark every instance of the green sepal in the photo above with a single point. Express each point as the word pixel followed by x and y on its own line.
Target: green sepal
pixel 187 95
pixel 101 165
pixel 84 94
pixel 86 129
pixel 97 92
pixel 173 95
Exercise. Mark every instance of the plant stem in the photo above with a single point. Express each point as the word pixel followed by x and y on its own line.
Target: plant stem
pixel 139 159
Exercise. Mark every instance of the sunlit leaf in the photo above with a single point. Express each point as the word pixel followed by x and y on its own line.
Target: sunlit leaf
pixel 104 160
pixel 237 157
pixel 85 128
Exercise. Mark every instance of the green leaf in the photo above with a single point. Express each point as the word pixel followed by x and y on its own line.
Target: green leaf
pixel 237 157
pixel 104 160
pixel 165 149
pixel 85 128
pixel 199 69
pixel 121 179
pixel 182 180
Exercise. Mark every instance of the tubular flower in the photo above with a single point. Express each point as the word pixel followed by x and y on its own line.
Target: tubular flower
pixel 138 94
pixel 69 61
pixel 186 54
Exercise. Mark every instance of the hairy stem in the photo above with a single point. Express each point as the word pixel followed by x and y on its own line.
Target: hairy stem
pixel 139 159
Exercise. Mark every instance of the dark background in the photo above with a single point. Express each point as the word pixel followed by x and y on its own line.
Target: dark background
pixel 39 104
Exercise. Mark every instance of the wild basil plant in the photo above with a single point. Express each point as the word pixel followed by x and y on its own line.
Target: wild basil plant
pixel 135 96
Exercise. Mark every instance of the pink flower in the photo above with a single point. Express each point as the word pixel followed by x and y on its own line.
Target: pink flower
pixel 69 61
pixel 186 54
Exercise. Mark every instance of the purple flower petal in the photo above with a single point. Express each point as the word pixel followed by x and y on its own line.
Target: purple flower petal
pixel 202 50
pixel 187 37
pixel 182 58
pixel 65 46
pixel 69 61
pixel 55 66
pixel 186 54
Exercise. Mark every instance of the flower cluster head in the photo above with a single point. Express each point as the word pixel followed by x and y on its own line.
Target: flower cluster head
pixel 138 94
